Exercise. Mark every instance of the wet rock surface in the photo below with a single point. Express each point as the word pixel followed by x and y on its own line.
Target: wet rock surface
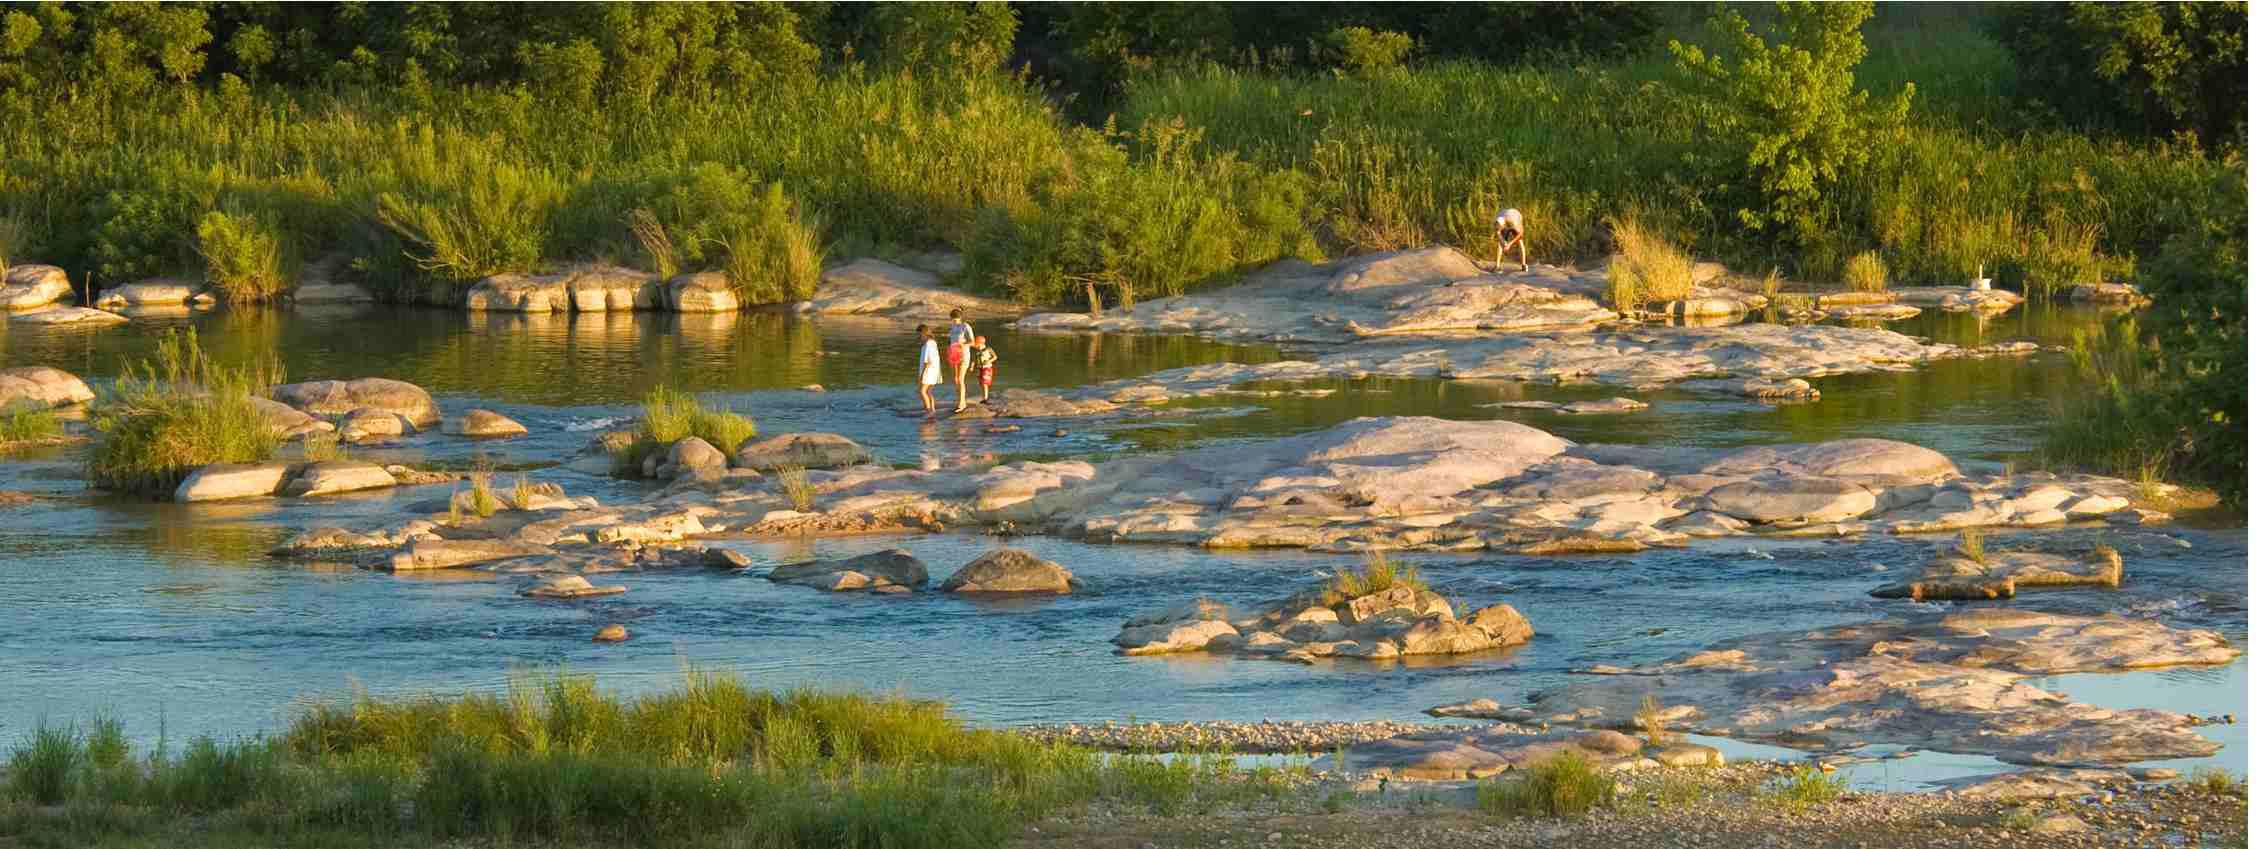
pixel 1394 622
pixel 1010 570
pixel 344 397
pixel 807 450
pixel 42 387
pixel 31 286
pixel 1957 575
pixel 1947 682
pixel 879 288
pixel 876 572
pixel 62 315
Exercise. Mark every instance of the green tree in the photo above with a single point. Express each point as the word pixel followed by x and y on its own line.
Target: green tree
pixel 2147 67
pixel 970 37
pixel 1789 121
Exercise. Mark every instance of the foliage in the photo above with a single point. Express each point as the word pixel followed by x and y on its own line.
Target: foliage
pixel 1565 785
pixel 1866 272
pixel 1380 574
pixel 2216 781
pixel 1788 112
pixel 777 255
pixel 793 482
pixel 243 256
pixel 672 414
pixel 2160 68
pixel 15 238
pixel 463 210
pixel 28 423
pixel 1807 786
pixel 41 769
pixel 959 38
pixel 175 412
pixel 657 245
pixel 1651 719
pixel 1647 268
pixel 1972 546
pixel 1363 51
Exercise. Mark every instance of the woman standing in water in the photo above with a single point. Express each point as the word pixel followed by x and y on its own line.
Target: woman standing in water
pixel 930 370
pixel 961 340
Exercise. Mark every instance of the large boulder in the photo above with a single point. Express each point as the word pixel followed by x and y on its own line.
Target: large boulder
pixel 341 397
pixel 875 571
pixel 362 426
pixel 606 288
pixel 1791 499
pixel 32 286
pixel 335 476
pixel 703 291
pixel 286 421
pixel 1010 570
pixel 514 292
pixel 157 292
pixel 1418 267
pixel 223 481
pixel 485 424
pixel 1875 461
pixel 451 553
pixel 41 386
pixel 873 287
pixel 689 456
pixel 807 450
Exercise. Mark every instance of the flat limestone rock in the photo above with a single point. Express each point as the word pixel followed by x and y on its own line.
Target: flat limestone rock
pixel 875 287
pixel 1945 682
pixel 224 481
pixel 342 397
pixel 155 292
pixel 1008 570
pixel 515 292
pixel 1881 461
pixel 451 553
pixel 1394 622
pixel 807 450
pixel 606 288
pixel 76 316
pixel 1796 499
pixel 570 587
pixel 1461 754
pixel 335 476
pixel 31 286
pixel 1955 576
pixel 42 387
pixel 874 571
pixel 2032 784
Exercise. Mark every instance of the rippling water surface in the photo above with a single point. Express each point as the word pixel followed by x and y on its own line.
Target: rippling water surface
pixel 172 612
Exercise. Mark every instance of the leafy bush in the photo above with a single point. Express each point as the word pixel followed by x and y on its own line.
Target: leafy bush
pixel 1865 272
pixel 175 412
pixel 1788 113
pixel 1565 785
pixel 243 256
pixel 464 210
pixel 776 255
pixel 2160 68
pixel 1364 51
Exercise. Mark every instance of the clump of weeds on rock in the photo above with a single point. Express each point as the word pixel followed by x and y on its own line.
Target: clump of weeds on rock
pixel 1566 785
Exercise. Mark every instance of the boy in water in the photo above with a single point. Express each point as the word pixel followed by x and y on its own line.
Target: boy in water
pixel 985 362
pixel 930 369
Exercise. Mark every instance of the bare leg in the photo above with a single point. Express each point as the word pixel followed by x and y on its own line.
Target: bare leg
pixel 962 382
pixel 926 395
pixel 1523 250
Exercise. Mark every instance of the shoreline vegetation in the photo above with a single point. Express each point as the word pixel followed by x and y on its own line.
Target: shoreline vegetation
pixel 259 149
pixel 554 761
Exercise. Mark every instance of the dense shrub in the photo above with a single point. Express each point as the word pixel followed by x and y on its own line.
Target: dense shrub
pixel 777 255
pixel 1364 51
pixel 243 256
pixel 1866 272
pixel 2148 67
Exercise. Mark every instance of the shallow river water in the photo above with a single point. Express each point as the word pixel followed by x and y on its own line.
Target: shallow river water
pixel 171 615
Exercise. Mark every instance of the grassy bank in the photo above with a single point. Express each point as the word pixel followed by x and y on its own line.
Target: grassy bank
pixel 558 762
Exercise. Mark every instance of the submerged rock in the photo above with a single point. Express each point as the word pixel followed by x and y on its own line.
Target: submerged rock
pixel 569 587
pixel 1947 682
pixel 343 397
pixel 1956 576
pixel 41 386
pixel 58 315
pixel 486 424
pixel 154 292
pixel 874 571
pixel 614 633
pixel 1010 570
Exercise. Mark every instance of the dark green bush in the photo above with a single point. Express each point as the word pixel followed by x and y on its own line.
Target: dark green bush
pixel 2157 68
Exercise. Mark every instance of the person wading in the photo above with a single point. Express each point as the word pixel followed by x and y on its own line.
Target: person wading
pixel 961 339
pixel 1507 232
pixel 930 369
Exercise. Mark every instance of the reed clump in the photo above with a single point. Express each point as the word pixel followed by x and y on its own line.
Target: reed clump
pixel 176 411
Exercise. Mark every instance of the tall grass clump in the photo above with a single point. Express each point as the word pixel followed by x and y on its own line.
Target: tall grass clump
pixel 672 414
pixel 42 768
pixel 1381 573
pixel 793 481
pixel 243 256
pixel 1972 546
pixel 1805 787
pixel 1565 785
pixel 652 236
pixel 29 423
pixel 1648 268
pixel 777 255
pixel 462 206
pixel 1865 272
pixel 177 411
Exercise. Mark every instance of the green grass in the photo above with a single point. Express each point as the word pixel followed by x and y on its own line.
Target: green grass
pixel 793 482
pixel 2216 781
pixel 177 411
pixel 1866 272
pixel 243 256
pixel 556 761
pixel 1565 785
pixel 29 423
pixel 1805 787
pixel 1380 573
pixel 776 255
pixel 1647 269
pixel 671 414
pixel 1972 546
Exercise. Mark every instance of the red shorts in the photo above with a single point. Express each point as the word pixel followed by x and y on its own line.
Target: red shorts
pixel 957 355
pixel 988 373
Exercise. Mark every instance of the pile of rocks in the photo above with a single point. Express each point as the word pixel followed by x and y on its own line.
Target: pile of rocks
pixel 1396 621
pixel 1959 575
pixel 998 572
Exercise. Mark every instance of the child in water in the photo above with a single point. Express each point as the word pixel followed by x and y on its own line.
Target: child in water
pixel 930 369
pixel 985 359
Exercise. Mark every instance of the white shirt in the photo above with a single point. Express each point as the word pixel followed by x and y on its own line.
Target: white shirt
pixel 929 355
pixel 1510 219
